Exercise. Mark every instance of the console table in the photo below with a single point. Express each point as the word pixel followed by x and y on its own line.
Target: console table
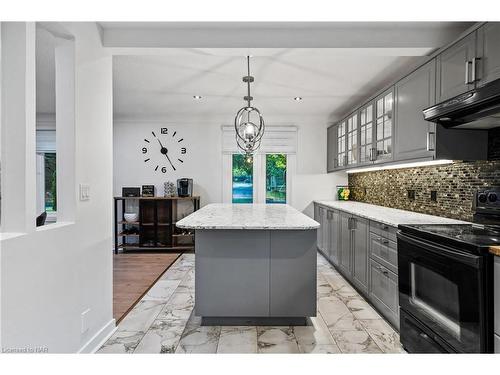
pixel 155 228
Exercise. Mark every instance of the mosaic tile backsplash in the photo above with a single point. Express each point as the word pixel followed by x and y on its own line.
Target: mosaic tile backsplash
pixel 442 190
pixel 410 188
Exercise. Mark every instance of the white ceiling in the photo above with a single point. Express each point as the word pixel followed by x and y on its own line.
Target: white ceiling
pixel 328 80
pixel 154 82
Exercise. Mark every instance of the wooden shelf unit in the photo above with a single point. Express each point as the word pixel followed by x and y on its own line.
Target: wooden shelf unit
pixel 156 224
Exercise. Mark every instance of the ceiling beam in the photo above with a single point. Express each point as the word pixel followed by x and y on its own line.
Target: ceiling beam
pixel 280 34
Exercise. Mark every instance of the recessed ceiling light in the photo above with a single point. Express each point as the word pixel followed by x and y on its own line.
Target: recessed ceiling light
pixel 297 98
pixel 196 97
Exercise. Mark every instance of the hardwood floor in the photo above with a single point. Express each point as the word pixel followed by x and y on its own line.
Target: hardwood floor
pixel 133 276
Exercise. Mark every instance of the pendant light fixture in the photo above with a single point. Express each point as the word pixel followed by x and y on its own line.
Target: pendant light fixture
pixel 248 123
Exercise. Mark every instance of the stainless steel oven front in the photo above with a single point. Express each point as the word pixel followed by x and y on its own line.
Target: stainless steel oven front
pixel 444 291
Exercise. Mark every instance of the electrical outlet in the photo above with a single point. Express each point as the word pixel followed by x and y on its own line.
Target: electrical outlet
pixel 411 195
pixel 84 321
pixel 434 195
pixel 84 192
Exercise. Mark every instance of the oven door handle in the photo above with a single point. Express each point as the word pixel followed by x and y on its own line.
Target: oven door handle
pixel 441 250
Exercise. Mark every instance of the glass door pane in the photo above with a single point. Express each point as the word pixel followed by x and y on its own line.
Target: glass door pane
pixel 366 130
pixel 276 178
pixel 383 131
pixel 352 140
pixel 242 176
pixel 341 136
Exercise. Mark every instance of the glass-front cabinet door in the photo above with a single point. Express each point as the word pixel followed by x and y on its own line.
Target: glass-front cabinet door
pixel 352 140
pixel 341 144
pixel 384 108
pixel 367 151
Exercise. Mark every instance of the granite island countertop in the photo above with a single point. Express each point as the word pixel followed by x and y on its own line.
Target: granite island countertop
pixel 386 215
pixel 248 216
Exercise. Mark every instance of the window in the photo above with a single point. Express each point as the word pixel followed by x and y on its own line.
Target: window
pixel 276 178
pixel 242 178
pixel 50 201
pixel 46 182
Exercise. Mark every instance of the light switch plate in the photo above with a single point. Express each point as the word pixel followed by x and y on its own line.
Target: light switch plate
pixel 84 192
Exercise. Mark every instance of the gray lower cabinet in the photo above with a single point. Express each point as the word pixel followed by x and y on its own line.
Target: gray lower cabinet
pixel 384 291
pixel 333 233
pixel 488 66
pixel 413 94
pixel 453 68
pixel 497 343
pixel 359 245
pixel 365 252
pixel 345 243
pixel 384 251
pixel 320 217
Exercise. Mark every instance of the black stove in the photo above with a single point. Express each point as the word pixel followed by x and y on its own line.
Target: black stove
pixel 468 237
pixel 445 280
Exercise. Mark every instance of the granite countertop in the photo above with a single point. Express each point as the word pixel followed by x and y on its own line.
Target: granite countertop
pixel 248 216
pixel 386 215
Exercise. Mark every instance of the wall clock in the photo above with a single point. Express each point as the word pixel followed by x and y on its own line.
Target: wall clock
pixel 164 150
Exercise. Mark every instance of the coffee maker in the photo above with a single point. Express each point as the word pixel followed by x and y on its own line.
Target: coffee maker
pixel 185 187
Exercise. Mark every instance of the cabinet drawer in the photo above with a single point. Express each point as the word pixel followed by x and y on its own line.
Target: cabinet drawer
pixel 384 251
pixel 383 230
pixel 384 291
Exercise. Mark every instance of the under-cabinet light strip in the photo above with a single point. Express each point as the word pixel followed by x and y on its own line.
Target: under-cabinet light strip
pixel 399 166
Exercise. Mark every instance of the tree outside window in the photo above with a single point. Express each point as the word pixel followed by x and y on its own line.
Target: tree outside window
pixel 242 173
pixel 276 178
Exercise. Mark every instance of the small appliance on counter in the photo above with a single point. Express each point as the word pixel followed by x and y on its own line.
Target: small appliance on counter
pixel 185 187
pixel 343 192
pixel 148 190
pixel 445 277
pixel 131 192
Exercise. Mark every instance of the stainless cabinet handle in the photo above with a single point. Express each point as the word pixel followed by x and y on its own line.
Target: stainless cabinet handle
pixel 466 72
pixel 385 242
pixel 474 69
pixel 429 143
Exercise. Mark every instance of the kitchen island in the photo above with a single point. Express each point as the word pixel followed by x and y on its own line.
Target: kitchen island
pixel 255 264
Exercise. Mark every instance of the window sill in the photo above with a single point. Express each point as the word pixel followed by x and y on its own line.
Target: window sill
pixel 50 226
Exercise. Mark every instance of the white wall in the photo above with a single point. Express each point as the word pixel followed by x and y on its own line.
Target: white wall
pixel 203 162
pixel 51 275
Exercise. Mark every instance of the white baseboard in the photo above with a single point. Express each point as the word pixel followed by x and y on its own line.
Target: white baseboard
pixel 99 338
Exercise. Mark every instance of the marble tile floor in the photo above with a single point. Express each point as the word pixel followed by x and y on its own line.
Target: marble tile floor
pixel 164 322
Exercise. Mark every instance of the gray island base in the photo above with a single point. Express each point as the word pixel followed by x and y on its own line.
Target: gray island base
pixel 255 264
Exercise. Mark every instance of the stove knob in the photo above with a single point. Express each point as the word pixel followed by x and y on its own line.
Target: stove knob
pixel 492 197
pixel 481 197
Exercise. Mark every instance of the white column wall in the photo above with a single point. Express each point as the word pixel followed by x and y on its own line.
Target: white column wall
pixel 18 127
pixel 50 275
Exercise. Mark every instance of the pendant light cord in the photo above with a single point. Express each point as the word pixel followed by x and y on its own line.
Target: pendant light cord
pixel 248 80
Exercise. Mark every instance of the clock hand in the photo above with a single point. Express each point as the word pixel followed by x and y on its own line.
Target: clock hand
pixel 160 143
pixel 170 162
